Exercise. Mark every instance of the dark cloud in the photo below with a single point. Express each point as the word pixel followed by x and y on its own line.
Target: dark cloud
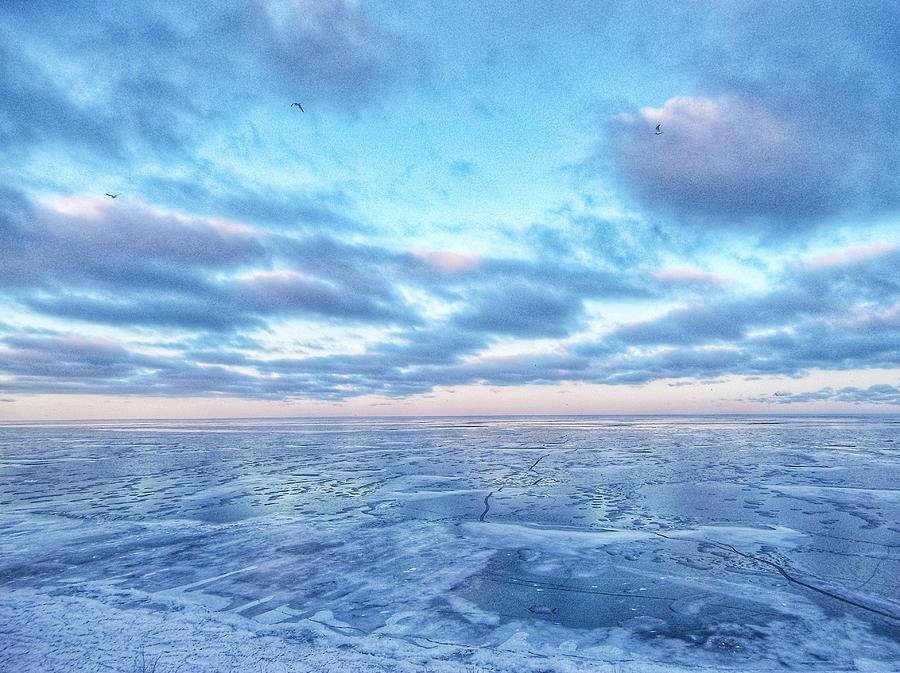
pixel 331 48
pixel 125 264
pixel 71 358
pixel 516 370
pixel 471 277
pixel 822 344
pixel 524 311
pixel 364 269
pixel 143 309
pixel 830 312
pixel 288 293
pixel 568 278
pixel 430 346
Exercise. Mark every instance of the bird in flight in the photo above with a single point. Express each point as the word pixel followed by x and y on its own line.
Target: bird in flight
pixel 658 132
pixel 298 105
pixel 112 196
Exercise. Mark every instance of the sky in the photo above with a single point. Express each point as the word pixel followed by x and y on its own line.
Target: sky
pixel 472 215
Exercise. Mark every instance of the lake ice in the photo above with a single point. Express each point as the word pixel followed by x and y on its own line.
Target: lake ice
pixel 471 545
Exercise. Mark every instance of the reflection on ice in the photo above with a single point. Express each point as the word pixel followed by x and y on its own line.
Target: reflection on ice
pixel 451 545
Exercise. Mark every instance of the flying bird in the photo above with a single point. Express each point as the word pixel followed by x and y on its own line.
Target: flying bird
pixel 298 105
pixel 658 132
pixel 112 196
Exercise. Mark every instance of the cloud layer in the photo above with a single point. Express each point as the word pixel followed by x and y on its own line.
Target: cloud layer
pixel 840 313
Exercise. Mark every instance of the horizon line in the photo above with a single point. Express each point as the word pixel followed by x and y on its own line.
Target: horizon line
pixel 809 414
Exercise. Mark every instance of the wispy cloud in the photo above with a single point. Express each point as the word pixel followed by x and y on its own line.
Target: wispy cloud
pixel 880 393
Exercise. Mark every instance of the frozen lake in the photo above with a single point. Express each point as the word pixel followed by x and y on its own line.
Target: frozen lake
pixel 471 545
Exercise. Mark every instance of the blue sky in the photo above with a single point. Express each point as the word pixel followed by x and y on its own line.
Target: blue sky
pixel 472 215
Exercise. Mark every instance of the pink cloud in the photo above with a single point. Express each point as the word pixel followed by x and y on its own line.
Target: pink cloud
pixel 858 253
pixel 449 263
pixel 78 205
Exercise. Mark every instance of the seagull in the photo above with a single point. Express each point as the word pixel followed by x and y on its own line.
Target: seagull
pixel 112 196
pixel 298 105
pixel 658 132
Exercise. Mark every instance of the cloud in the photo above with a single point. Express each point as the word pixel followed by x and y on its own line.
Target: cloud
pixel 607 240
pixel 417 360
pixel 132 256
pixel 37 109
pixel 290 293
pixel 789 124
pixel 74 358
pixel 523 310
pixel 572 278
pixel 128 264
pixel 167 70
pixel 844 256
pixel 214 191
pixel 103 243
pixel 469 277
pixel 449 263
pixel 689 277
pixel 829 292
pixel 725 320
pixel 335 45
pixel 146 309
pixel 880 393
pixel 829 311
pixel 844 315
pixel 363 269
pixel 729 158
pixel 436 345
pixel 840 314
pixel 77 365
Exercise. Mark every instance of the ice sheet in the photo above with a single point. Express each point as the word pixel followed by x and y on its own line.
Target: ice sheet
pixel 543 544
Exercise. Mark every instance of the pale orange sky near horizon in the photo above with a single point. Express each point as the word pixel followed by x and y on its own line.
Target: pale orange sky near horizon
pixel 660 397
